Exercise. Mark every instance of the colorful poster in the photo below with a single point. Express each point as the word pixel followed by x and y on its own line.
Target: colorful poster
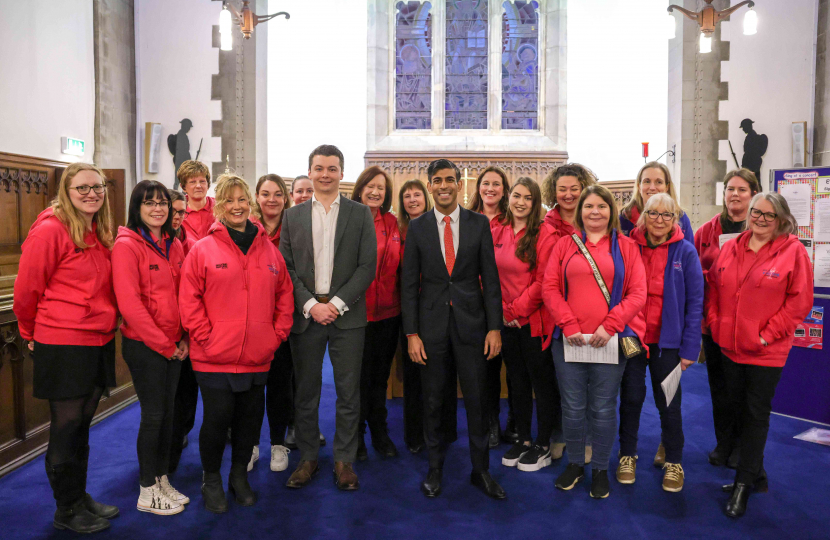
pixel 810 333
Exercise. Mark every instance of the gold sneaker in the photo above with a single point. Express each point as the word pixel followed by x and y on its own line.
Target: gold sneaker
pixel 660 457
pixel 626 470
pixel 673 477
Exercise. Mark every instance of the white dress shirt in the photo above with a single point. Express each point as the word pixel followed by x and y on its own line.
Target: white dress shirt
pixel 453 227
pixel 323 230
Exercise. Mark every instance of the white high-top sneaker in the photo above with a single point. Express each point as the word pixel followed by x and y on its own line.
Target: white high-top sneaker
pixel 279 457
pixel 254 458
pixel 172 493
pixel 153 500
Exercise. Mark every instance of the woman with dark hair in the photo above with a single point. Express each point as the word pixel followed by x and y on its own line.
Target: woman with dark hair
pixel 178 208
pixel 383 310
pixel 739 186
pixel 66 310
pixel 146 260
pixel 237 304
pixel 653 178
pixel 760 288
pixel 605 267
pixel 518 239
pixel 301 189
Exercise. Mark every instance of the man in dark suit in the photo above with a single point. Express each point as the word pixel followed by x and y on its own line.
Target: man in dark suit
pixel 451 305
pixel 330 251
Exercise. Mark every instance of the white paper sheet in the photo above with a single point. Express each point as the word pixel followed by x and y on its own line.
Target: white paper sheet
pixel 815 435
pixel 610 354
pixel 821 227
pixel 798 198
pixel 821 268
pixel 671 383
pixel 724 238
pixel 809 245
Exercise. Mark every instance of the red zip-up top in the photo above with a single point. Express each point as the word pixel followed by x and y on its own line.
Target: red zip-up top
pixel 521 287
pixel 759 295
pixel 197 223
pixel 383 297
pixel 560 226
pixel 585 308
pixel 63 294
pixel 275 239
pixel 237 308
pixel 147 289
pixel 654 261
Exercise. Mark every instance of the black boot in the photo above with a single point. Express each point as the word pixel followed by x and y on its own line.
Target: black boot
pixel 495 431
pixel 736 507
pixel 383 444
pixel 238 485
pixel 213 493
pixel 106 511
pixel 510 435
pixel 290 438
pixel 69 494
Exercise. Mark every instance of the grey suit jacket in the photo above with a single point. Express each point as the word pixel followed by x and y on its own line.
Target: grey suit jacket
pixel 355 260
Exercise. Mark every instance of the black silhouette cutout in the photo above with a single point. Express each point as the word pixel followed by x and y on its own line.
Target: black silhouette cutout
pixel 179 146
pixel 755 146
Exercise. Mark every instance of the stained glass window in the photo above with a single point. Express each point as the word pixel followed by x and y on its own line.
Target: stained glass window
pixel 413 65
pixel 466 65
pixel 520 65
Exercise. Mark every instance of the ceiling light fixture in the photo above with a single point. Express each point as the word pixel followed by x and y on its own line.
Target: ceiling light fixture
pixel 709 17
pixel 246 19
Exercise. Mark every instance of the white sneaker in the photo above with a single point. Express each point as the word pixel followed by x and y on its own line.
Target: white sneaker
pixel 279 457
pixel 153 500
pixel 172 493
pixel 254 458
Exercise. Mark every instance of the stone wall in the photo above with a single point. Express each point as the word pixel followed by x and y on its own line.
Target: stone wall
pixel 821 146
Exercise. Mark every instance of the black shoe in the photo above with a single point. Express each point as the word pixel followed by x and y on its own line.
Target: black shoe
pixel 384 445
pixel 510 435
pixel 431 486
pixel 213 493
pixel 761 484
pixel 537 458
pixel 717 457
pixel 290 438
pixel 495 431
pixel 511 457
pixel 239 487
pixel 362 452
pixel 322 440
pixel 106 511
pixel 734 458
pixel 185 442
pixel 416 448
pixel 572 475
pixel 78 519
pixel 484 482
pixel 736 507
pixel 599 485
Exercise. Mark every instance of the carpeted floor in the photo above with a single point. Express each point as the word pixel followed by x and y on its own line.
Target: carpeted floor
pixel 390 505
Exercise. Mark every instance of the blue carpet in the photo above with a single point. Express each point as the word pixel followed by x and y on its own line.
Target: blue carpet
pixel 390 505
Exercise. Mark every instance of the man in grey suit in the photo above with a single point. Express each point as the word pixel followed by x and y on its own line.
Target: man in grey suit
pixel 330 250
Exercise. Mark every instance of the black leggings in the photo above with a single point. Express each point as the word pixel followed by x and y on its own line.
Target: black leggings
pixel 279 395
pixel 184 412
pixel 379 348
pixel 223 409
pixel 69 428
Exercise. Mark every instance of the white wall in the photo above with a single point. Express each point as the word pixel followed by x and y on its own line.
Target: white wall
pixel 48 66
pixel 175 61
pixel 316 83
pixel 770 78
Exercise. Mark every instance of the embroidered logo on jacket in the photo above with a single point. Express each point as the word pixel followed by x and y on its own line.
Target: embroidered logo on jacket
pixel 273 269
pixel 78 250
pixel 222 265
pixel 771 273
pixel 497 246
pixel 678 266
pixel 154 267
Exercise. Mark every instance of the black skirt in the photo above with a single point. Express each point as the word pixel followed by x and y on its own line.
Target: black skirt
pixel 72 371
pixel 230 382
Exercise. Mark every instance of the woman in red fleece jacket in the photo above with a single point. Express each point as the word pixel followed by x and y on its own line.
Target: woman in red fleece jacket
pixel 760 288
pixel 178 208
pixel 518 239
pixel 194 176
pixel 146 261
pixel 383 310
pixel 66 310
pixel 590 385
pixel 739 188
pixel 236 302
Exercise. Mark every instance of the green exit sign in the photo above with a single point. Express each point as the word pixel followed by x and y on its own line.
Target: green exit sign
pixel 73 147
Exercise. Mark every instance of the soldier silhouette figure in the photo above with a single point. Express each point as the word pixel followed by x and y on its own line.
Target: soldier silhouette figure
pixel 179 146
pixel 755 146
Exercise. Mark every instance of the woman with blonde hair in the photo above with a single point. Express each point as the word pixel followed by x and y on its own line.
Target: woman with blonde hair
pixel 66 310
pixel 236 302
pixel 653 178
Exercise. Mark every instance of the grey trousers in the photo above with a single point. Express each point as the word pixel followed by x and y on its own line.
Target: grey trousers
pixel 346 353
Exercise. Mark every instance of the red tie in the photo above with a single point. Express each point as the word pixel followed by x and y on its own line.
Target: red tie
pixel 449 248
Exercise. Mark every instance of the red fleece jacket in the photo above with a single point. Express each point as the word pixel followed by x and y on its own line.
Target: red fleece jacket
pixel 197 223
pixel 383 297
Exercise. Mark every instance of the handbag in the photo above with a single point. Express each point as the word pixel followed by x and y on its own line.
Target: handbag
pixel 630 346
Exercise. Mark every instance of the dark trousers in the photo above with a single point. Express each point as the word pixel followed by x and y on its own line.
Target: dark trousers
pixel 379 348
pixel 279 394
pixel 413 402
pixel 184 412
pixel 751 389
pixel 494 388
pixel 155 379
pixel 531 370
pixel 471 366
pixel 242 413
pixel 726 419
pixel 633 395
pixel 346 353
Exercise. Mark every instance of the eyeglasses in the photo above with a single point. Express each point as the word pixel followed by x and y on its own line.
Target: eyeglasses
pixel 83 190
pixel 179 213
pixel 768 216
pixel 156 204
pixel 654 214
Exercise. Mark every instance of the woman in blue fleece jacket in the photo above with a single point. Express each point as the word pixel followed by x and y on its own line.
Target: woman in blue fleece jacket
pixel 673 312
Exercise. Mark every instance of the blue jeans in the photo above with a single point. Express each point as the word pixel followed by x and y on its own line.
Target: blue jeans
pixel 585 387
